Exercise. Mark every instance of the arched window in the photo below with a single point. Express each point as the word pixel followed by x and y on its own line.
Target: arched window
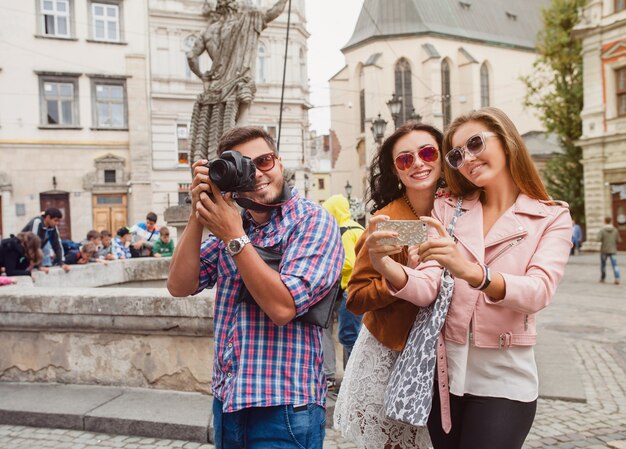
pixel 362 99
pixel 404 89
pixel 484 85
pixel 261 63
pixel 446 108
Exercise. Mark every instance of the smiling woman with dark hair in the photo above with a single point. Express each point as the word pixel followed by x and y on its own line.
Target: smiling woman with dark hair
pixel 405 175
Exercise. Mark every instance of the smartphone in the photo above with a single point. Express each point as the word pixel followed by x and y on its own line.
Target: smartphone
pixel 410 232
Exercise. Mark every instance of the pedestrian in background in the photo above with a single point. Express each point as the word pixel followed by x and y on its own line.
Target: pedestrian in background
pixel 20 253
pixel 83 256
pixel 577 237
pixel 106 250
pixel 121 244
pixel 349 323
pixel 164 247
pixel 144 236
pixel 609 238
pixel 45 226
pixel 404 177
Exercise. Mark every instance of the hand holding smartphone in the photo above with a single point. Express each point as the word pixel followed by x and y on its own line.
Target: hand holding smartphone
pixel 410 232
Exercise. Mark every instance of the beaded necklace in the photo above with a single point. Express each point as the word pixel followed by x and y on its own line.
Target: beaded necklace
pixel 410 205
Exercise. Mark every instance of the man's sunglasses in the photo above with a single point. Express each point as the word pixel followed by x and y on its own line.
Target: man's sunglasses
pixel 265 162
pixel 474 146
pixel 404 161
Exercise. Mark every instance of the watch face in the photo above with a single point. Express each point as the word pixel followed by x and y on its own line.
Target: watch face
pixel 234 246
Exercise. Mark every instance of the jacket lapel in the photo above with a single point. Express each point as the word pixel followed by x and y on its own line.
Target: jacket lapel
pixel 470 220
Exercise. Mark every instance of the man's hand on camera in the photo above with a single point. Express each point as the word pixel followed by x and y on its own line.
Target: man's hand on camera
pixel 218 213
pixel 199 183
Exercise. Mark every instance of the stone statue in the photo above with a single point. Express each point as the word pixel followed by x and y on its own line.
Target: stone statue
pixel 231 39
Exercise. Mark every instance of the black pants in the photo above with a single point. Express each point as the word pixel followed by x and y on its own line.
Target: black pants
pixel 482 423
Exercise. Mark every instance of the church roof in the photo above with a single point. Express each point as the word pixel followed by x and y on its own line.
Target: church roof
pixel 497 22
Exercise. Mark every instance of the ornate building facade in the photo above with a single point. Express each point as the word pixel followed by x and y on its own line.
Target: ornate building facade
pixel 602 29
pixel 443 58
pixel 95 103
pixel 74 113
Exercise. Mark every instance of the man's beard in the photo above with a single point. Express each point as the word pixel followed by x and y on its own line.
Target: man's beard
pixel 271 197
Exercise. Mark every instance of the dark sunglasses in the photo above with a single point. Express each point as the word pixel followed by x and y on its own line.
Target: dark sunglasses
pixel 474 146
pixel 404 161
pixel 265 162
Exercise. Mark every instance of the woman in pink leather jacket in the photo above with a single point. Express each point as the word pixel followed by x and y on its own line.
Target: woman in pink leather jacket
pixel 512 245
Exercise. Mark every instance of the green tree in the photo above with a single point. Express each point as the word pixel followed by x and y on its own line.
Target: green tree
pixel 555 89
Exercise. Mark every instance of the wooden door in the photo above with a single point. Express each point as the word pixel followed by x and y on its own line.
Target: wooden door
pixel 101 219
pixel 60 200
pixel 619 214
pixel 110 212
pixel 118 218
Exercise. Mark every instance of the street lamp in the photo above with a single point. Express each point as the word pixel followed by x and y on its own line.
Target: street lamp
pixel 378 129
pixel 415 116
pixel 395 105
pixel 348 188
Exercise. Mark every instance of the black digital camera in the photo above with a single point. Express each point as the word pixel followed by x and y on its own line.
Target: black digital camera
pixel 233 172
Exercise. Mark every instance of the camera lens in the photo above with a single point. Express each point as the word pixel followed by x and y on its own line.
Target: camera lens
pixel 223 174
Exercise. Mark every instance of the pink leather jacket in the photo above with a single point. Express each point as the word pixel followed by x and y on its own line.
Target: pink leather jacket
pixel 529 246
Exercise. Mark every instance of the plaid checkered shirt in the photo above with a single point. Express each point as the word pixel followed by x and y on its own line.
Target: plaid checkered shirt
pixel 256 362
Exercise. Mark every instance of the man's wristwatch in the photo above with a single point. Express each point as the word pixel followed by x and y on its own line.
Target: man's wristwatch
pixel 234 246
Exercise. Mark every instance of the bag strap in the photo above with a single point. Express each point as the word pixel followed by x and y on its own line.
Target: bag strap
pixel 343 229
pixel 455 217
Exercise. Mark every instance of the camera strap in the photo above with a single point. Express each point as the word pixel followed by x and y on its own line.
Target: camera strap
pixel 247 203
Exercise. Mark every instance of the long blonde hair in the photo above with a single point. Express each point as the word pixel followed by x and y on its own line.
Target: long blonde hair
pixel 519 162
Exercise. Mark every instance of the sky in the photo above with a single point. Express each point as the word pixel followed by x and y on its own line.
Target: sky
pixel 330 23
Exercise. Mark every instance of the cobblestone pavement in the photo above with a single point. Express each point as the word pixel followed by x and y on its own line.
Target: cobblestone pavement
pixel 588 315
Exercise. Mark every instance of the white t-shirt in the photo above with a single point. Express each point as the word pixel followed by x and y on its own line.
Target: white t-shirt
pixel 502 373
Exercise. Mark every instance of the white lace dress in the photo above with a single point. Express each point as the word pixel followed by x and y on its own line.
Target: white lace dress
pixel 359 412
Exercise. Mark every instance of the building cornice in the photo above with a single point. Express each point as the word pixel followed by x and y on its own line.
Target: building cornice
pixel 454 38
pixel 69 144
pixel 618 137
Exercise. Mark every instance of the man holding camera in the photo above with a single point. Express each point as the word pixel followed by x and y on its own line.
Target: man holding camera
pixel 268 381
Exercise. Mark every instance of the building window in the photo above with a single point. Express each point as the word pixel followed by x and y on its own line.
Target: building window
pixel 183 193
pixel 59 101
pixel 109 176
pixel 55 17
pixel 105 22
pixel 362 99
pixel 109 99
pixel 320 183
pixel 620 5
pixel 182 135
pixel 446 108
pixel 404 89
pixel 621 91
pixel 362 109
pixel 484 86
pixel 261 64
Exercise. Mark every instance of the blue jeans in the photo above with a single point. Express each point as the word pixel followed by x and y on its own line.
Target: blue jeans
pixel 47 259
pixel 279 427
pixel 603 258
pixel 349 326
